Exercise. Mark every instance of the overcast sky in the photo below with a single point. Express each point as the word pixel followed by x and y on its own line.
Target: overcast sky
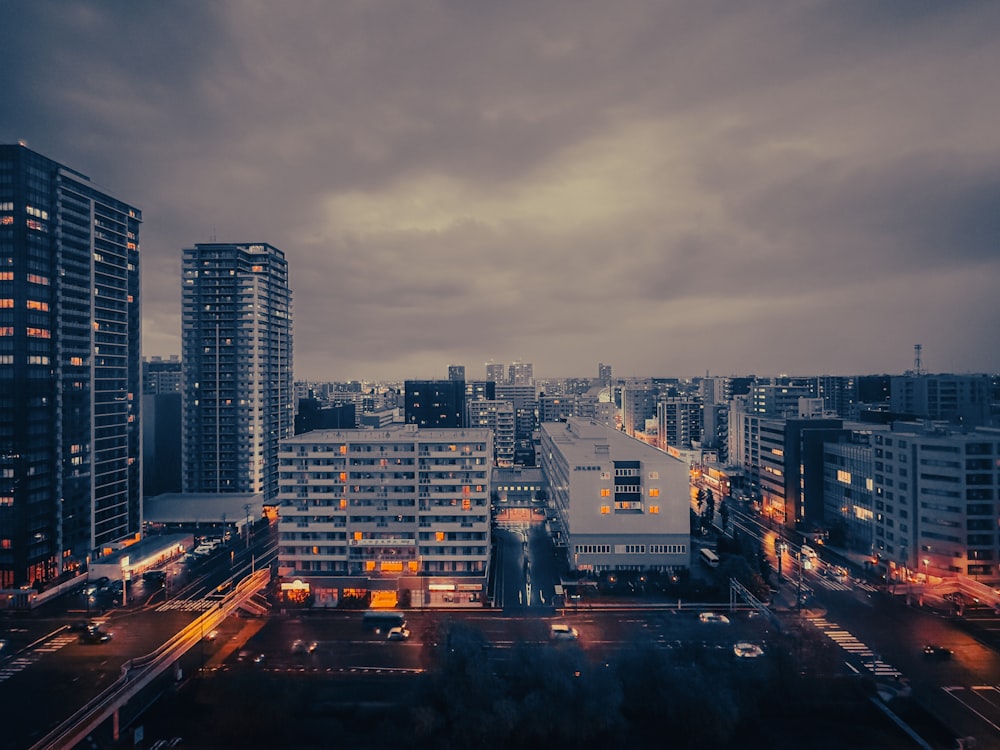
pixel 673 188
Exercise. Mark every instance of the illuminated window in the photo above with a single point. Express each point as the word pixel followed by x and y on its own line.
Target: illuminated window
pixel 357 536
pixel 343 503
pixel 34 278
pixel 256 269
pixel 6 501
pixel 605 510
pixel 39 333
pixel 369 565
pixel 77 361
pixel 6 331
pixel 6 275
pixel 343 450
pixel 392 566
pixel 6 303
pixel 605 492
pixel 439 536
pixel 844 477
pixel 654 508
pixel 34 304
pixel 466 504
pixel 315 550
pixel 654 492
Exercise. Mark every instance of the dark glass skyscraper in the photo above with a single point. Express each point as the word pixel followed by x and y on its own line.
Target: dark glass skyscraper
pixel 70 347
pixel 237 354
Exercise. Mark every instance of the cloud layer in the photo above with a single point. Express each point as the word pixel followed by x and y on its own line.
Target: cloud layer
pixel 674 188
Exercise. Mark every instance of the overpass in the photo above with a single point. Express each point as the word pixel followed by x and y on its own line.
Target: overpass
pixel 140 672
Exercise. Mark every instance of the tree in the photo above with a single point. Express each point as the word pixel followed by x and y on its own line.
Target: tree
pixel 724 514
pixel 709 507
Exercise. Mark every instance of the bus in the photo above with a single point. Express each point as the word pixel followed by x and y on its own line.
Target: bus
pixel 708 557
pixel 809 557
pixel 382 620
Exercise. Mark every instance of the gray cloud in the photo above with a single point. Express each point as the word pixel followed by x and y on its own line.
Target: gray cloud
pixel 670 187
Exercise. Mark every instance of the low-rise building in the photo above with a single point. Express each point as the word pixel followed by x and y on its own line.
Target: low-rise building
pixel 617 503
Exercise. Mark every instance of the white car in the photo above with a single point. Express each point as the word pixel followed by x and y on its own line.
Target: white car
pixel 560 632
pixel 713 617
pixel 744 650
pixel 398 634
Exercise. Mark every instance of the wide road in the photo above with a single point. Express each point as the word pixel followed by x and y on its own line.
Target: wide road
pixel 47 673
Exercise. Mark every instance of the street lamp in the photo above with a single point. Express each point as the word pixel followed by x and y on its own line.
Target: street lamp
pixel 926 564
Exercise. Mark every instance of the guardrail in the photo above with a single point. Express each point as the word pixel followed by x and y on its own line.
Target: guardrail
pixel 137 673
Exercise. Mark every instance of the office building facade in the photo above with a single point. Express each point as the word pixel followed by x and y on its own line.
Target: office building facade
pixel 237 354
pixel 935 499
pixel 70 380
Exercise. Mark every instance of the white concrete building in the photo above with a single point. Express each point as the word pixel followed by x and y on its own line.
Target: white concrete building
pixel 619 503
pixel 396 515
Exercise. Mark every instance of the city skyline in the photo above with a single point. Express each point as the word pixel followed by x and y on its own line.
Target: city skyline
pixel 673 189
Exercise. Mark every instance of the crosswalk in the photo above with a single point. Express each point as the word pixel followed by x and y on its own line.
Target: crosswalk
pixel 843 638
pixel 188 605
pixel 27 658
pixel 835 585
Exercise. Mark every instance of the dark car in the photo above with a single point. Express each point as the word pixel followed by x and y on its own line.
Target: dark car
pixel 933 651
pixel 94 634
pixel 81 626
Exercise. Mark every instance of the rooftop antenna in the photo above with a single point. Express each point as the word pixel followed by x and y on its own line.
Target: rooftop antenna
pixel 917 348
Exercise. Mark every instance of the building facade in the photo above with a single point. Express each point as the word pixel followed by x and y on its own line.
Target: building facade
pixel 237 354
pixel 619 504
pixel 935 499
pixel 498 417
pixel 434 403
pixel 70 380
pixel 394 516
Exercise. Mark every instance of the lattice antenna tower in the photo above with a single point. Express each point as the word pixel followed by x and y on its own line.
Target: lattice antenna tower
pixel 917 348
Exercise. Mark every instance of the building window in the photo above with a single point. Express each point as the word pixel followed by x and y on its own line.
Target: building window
pixel 605 510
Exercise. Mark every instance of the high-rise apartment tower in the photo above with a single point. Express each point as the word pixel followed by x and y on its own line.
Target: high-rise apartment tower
pixel 70 377
pixel 237 354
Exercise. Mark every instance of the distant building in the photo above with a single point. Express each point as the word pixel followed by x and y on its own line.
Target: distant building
pixel 790 472
pixel 390 517
pixel 521 373
pixel 618 503
pixel 312 415
pixel 678 422
pixel 638 404
pixel 70 375
pixel 497 416
pixel 555 408
pixel 237 340
pixel 162 375
pixel 604 375
pixel 435 403
pixel 161 425
pixel 456 372
pixel 848 489
pixel 495 371
pixel 959 399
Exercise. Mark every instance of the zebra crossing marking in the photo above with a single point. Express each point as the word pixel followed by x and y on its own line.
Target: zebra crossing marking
pixel 847 641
